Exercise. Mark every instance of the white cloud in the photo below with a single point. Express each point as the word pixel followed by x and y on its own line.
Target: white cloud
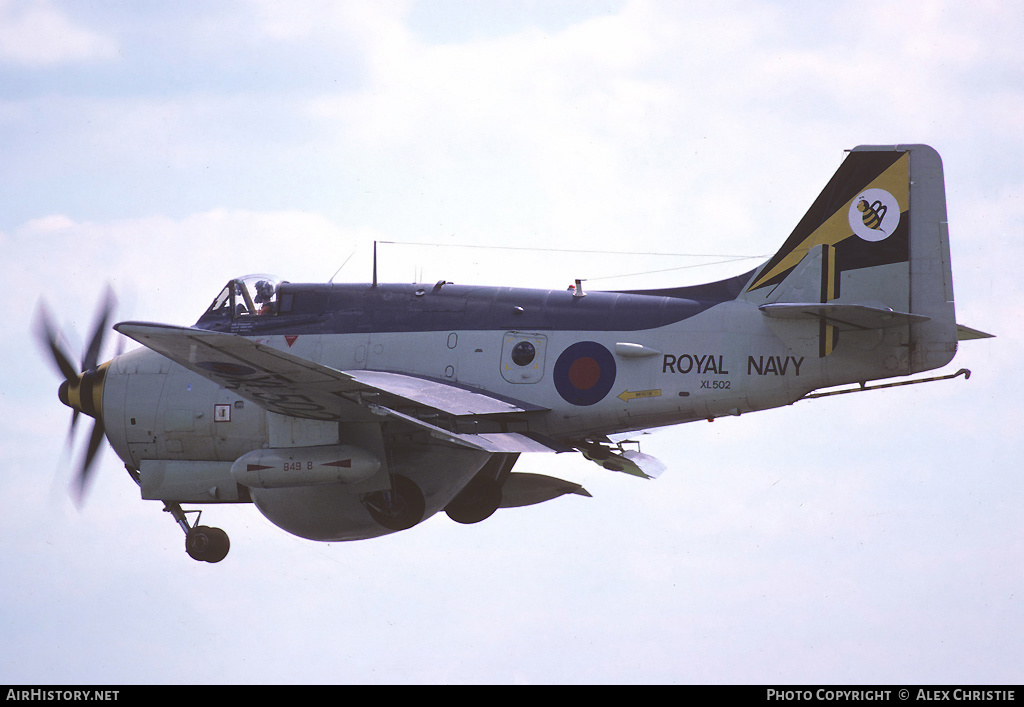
pixel 170 267
pixel 655 116
pixel 375 28
pixel 35 33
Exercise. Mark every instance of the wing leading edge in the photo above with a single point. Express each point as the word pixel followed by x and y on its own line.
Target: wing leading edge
pixel 290 385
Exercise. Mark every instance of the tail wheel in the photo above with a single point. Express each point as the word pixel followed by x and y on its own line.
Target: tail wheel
pixel 399 508
pixel 207 544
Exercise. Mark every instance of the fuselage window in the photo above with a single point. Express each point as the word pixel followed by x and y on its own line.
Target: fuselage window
pixel 523 353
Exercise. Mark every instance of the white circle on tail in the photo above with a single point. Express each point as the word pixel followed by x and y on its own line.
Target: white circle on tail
pixel 874 215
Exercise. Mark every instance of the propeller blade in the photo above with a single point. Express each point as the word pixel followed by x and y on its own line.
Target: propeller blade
pixel 82 479
pixel 71 429
pixel 92 354
pixel 48 337
pixel 79 388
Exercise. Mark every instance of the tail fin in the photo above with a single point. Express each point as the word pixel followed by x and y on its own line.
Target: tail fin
pixel 872 253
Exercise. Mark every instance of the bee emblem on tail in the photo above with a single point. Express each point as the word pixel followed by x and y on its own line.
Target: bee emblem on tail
pixel 872 214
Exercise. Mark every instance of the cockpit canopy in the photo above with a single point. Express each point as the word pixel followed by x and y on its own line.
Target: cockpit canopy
pixel 249 296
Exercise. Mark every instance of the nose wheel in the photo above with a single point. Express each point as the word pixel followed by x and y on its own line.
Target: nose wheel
pixel 202 543
pixel 207 544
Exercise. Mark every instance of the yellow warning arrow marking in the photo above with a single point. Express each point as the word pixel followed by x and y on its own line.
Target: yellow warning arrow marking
pixel 628 395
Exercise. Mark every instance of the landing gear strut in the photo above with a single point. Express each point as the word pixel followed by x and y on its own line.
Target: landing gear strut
pixel 202 542
pixel 398 508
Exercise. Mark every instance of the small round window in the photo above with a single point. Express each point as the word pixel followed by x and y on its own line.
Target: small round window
pixel 523 353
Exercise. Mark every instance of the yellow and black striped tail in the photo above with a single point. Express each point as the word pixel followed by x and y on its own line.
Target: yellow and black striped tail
pixel 879 228
pixel 862 215
pixel 828 335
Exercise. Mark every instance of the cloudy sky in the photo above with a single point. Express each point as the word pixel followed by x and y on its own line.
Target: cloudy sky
pixel 164 148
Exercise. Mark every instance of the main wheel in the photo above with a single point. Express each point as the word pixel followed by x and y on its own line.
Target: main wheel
pixel 400 507
pixel 207 544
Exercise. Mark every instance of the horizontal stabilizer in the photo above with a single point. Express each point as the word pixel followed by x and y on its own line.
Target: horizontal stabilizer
pixel 844 317
pixel 965 333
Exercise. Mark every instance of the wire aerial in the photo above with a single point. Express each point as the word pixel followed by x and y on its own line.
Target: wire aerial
pixel 731 256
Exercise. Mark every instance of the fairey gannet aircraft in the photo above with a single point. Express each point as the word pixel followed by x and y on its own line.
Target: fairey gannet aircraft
pixel 350 411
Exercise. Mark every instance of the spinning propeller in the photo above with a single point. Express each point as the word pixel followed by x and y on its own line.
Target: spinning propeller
pixel 80 391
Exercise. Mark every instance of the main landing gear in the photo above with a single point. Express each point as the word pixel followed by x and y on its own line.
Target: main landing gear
pixel 202 542
pixel 399 508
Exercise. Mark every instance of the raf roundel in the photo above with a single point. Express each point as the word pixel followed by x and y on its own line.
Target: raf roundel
pixel 584 373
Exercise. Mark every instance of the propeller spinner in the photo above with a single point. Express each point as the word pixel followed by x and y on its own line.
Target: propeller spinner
pixel 82 390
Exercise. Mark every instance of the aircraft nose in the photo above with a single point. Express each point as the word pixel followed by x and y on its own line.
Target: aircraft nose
pixel 84 392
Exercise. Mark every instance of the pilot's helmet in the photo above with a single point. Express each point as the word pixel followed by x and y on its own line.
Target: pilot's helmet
pixel 264 291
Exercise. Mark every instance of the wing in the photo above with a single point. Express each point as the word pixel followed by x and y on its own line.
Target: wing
pixel 294 386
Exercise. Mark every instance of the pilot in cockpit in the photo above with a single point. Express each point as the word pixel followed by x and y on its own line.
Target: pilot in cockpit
pixel 265 292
